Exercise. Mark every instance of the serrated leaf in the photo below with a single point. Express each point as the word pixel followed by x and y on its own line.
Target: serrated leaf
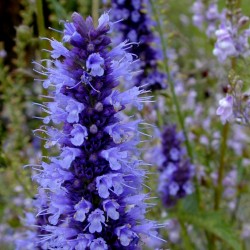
pixel 214 223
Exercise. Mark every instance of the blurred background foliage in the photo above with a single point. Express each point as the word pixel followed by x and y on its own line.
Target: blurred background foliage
pixel 22 24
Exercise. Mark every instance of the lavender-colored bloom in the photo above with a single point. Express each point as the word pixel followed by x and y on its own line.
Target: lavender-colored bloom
pixel 198 13
pixel 232 41
pixel 224 46
pixel 225 109
pixel 208 17
pixel 176 172
pixel 91 193
pixel 212 17
pixel 173 229
pixel 135 25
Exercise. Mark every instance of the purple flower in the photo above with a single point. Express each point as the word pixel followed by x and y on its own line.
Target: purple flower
pixel 111 206
pixel 91 195
pixel 135 25
pixel 198 11
pixel 96 219
pixel 206 17
pixel 95 64
pixel 79 134
pixel 82 208
pixel 98 244
pixel 126 235
pixel 176 172
pixel 225 109
pixel 224 46
pixel 232 40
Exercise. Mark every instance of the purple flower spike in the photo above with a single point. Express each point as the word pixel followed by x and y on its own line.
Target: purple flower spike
pixel 206 16
pixel 176 172
pixel 90 193
pixel 135 25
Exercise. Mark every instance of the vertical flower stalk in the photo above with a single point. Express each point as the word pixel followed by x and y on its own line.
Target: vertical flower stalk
pixel 176 172
pixel 232 36
pixel 135 25
pixel 205 15
pixel 90 195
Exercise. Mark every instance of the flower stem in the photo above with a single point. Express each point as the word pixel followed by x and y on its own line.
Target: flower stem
pixel 186 238
pixel 40 21
pixel 95 9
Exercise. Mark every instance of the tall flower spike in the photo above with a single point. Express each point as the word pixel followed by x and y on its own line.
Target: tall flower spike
pixel 134 24
pixel 176 172
pixel 91 193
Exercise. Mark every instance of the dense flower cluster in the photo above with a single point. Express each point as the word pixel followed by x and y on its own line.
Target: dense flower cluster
pixel 90 196
pixel 135 25
pixel 176 172
pixel 206 16
pixel 232 40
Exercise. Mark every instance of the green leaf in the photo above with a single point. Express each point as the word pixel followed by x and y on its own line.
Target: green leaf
pixel 214 223
pixel 190 204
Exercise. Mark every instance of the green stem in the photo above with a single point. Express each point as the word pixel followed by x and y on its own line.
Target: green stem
pixel 186 238
pixel 40 19
pixel 95 11
pixel 174 96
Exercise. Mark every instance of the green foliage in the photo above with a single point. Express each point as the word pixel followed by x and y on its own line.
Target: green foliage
pixel 213 223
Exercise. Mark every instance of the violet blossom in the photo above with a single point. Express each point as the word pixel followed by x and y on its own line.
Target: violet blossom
pixel 175 170
pixel 225 109
pixel 91 194
pixel 232 40
pixel 206 16
pixel 134 24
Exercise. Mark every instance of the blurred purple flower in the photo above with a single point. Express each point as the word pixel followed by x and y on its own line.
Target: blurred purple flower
pixel 176 172
pixel 225 109
pixel 206 16
pixel 232 40
pixel 135 25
